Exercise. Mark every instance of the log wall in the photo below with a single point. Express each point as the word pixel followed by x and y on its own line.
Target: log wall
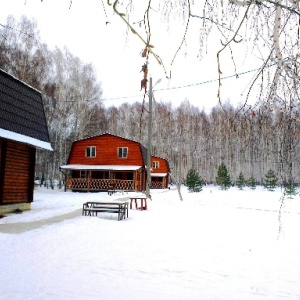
pixel 17 172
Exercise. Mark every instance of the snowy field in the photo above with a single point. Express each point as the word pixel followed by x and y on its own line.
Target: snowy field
pixel 213 245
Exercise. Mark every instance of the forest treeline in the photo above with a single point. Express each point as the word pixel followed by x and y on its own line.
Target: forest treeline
pixel 247 140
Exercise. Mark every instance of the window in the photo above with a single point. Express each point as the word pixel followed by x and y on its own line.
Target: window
pixel 155 164
pixel 90 151
pixel 122 152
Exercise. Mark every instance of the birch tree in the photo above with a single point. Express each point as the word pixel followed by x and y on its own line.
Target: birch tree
pixel 268 29
pixel 71 92
pixel 22 53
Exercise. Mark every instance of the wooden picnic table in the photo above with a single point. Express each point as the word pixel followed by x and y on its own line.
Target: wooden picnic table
pixel 93 208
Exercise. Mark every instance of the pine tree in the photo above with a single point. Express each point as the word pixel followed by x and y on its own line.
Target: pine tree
pixel 223 178
pixel 290 189
pixel 270 180
pixel 251 183
pixel 240 182
pixel 193 181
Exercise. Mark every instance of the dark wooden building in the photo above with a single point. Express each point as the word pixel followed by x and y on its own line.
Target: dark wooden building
pixel 106 162
pixel 23 128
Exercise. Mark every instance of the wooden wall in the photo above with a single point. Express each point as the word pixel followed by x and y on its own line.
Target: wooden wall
pixel 106 151
pixel 163 165
pixel 2 161
pixel 163 168
pixel 17 164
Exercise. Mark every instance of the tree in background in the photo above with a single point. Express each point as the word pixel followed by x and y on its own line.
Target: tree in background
pixel 71 92
pixel 247 140
pixel 193 181
pixel 240 182
pixel 223 178
pixel 270 180
pixel 290 189
pixel 237 24
pixel 251 183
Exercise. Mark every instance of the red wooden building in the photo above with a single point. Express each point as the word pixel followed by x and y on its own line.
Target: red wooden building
pixel 23 128
pixel 159 173
pixel 107 162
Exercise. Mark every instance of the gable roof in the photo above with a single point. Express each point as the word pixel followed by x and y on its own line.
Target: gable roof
pixel 143 148
pixel 103 134
pixel 161 158
pixel 22 116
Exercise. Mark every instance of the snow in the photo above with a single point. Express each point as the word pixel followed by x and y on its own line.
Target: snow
pixel 100 167
pixel 24 139
pixel 212 245
pixel 159 174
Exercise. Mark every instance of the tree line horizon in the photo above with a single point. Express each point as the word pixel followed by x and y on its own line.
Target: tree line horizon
pixel 248 140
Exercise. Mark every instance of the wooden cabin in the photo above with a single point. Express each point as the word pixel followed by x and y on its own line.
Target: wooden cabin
pixel 159 173
pixel 106 162
pixel 23 128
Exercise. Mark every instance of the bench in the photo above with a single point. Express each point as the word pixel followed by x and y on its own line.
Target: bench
pixel 143 201
pixel 111 192
pixel 93 208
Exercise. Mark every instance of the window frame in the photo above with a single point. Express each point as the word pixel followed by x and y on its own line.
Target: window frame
pixel 90 149
pixel 122 152
pixel 155 164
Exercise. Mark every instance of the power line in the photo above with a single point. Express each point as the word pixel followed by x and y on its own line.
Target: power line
pixel 207 81
pixel 186 86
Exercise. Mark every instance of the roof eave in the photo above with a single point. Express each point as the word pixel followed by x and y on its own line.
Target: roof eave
pixel 17 137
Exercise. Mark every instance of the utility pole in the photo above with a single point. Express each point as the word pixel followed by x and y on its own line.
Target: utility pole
pixel 148 184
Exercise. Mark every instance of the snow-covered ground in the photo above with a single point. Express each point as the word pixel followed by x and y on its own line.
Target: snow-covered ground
pixel 213 245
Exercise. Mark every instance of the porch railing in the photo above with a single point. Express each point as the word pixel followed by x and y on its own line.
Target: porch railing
pixel 156 184
pixel 99 184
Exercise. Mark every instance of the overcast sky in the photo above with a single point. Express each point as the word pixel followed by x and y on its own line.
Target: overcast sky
pixel 82 28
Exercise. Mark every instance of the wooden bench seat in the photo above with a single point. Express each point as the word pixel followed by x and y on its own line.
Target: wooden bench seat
pixel 143 202
pixel 93 208
pixel 111 192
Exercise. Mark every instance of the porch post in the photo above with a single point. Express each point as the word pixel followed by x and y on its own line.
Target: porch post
pixel 89 180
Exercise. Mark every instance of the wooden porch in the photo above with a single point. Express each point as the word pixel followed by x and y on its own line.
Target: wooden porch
pixel 156 185
pixel 159 181
pixel 89 184
pixel 84 179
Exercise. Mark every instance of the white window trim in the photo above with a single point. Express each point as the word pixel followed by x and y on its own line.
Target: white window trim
pixel 91 147
pixel 155 164
pixel 122 152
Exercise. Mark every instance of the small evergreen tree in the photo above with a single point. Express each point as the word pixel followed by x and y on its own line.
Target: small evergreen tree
pixel 270 180
pixel 240 182
pixel 290 189
pixel 251 183
pixel 193 181
pixel 223 178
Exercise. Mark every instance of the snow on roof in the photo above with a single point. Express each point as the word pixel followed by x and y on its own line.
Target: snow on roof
pixel 159 174
pixel 24 139
pixel 107 133
pixel 100 167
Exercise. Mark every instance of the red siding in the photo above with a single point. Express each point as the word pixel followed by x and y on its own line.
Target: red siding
pixel 106 151
pixel 163 166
